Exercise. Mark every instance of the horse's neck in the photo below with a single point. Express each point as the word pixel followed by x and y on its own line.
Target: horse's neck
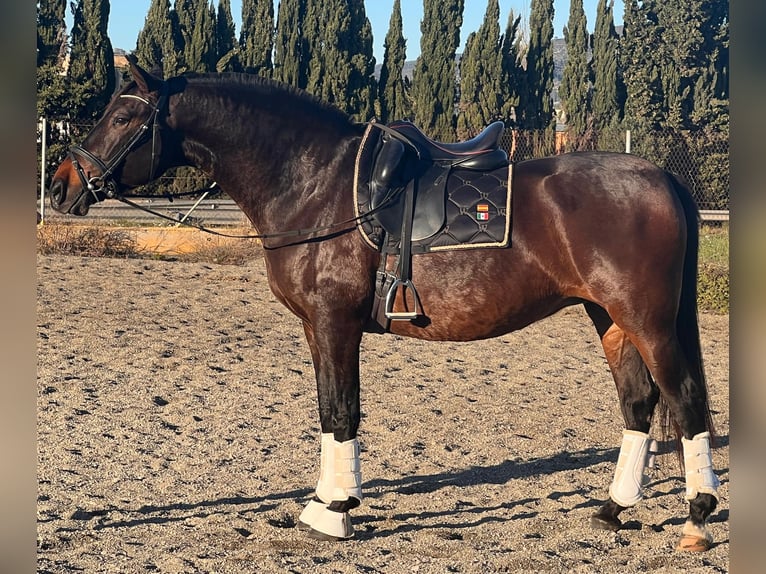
pixel 275 162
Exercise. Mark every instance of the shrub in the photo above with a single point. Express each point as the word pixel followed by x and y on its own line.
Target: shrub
pixel 713 274
pixel 90 241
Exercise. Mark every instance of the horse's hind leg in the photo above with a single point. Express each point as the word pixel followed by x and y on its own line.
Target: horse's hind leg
pixel 685 394
pixel 657 350
pixel 638 398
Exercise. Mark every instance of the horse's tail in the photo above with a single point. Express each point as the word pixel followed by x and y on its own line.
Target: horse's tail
pixel 687 325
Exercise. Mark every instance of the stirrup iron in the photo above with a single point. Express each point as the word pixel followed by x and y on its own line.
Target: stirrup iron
pixel 407 285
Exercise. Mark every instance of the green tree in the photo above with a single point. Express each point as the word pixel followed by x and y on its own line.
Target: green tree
pixel 690 33
pixel 480 75
pixel 52 89
pixel 226 47
pixel 51 32
pixel 644 104
pixel 511 72
pixel 433 83
pixel 536 103
pixel 256 38
pixel 341 65
pixel 291 54
pixel 608 97
pixel 196 20
pixel 362 86
pixel 575 83
pixel 157 44
pixel 91 60
pixel 51 50
pixel 393 97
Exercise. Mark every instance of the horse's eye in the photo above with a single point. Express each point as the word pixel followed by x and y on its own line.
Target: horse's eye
pixel 120 121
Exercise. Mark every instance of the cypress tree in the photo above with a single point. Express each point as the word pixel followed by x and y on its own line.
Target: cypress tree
pixel 511 72
pixel 536 103
pixel 156 46
pixel 256 38
pixel 575 83
pixel 688 34
pixel 226 46
pixel 711 91
pixel 290 46
pixel 341 65
pixel 394 100
pixel 433 83
pixel 51 50
pixel 52 91
pixel 608 97
pixel 324 27
pixel 196 23
pixel 480 75
pixel 91 60
pixel 362 86
pixel 644 104
pixel 51 32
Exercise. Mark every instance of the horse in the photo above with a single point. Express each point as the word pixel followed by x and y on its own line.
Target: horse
pixel 612 232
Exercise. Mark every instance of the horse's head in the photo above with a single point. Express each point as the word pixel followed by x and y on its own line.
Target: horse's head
pixel 127 147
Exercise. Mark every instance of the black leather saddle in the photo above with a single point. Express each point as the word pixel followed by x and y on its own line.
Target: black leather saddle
pixel 407 157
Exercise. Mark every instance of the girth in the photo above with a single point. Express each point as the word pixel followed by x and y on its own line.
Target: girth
pixel 427 196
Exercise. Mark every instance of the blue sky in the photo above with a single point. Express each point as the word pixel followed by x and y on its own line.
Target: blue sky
pixel 127 18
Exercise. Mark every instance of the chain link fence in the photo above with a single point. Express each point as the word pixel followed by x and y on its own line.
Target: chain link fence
pixel 700 158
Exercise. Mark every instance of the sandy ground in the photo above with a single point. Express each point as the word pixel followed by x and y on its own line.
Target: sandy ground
pixel 178 433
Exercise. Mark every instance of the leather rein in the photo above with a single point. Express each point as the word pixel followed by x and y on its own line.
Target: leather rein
pixel 104 186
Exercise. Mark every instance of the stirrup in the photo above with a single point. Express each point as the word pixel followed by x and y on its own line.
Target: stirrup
pixel 391 296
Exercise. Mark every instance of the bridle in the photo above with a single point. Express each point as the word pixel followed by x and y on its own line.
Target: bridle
pixel 104 183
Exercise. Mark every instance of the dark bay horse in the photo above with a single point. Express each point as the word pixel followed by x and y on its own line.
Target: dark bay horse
pixel 610 231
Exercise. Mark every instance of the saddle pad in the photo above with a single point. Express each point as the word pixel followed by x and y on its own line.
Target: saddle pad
pixel 478 206
pixel 478 211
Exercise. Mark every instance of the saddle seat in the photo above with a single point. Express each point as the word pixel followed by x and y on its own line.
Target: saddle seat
pixel 480 152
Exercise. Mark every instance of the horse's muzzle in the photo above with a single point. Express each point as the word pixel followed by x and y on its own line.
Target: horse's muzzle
pixel 58 193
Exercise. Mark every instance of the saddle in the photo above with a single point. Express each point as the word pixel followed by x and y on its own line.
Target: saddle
pixel 417 195
pixel 406 156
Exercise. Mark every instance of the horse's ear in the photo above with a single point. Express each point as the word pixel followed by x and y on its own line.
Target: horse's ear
pixel 146 82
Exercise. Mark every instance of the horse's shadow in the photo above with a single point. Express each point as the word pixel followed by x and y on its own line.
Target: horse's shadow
pixel 371 524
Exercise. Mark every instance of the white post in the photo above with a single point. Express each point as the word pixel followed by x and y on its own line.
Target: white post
pixel 193 207
pixel 42 171
pixel 627 141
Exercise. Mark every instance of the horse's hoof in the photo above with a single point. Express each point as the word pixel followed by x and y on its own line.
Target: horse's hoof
pixel 322 537
pixel 303 526
pixel 601 522
pixel 691 543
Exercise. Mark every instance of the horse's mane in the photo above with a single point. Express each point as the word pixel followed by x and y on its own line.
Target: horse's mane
pixel 283 94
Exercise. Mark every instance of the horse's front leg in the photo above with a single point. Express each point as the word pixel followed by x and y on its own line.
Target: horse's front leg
pixel 335 353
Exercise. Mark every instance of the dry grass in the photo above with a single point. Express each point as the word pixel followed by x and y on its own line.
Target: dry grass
pixel 106 241
pixel 224 251
pixel 91 241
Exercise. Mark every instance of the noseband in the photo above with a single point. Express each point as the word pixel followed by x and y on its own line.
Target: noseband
pixel 104 183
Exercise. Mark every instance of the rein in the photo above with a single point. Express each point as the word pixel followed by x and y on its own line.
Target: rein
pixel 346 223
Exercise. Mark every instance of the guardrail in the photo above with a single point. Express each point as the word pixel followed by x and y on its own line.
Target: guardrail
pixel 208 212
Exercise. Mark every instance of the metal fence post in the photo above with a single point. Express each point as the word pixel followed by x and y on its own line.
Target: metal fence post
pixel 42 170
pixel 627 141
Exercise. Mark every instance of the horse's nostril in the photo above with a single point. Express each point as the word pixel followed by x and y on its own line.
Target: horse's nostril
pixel 57 192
